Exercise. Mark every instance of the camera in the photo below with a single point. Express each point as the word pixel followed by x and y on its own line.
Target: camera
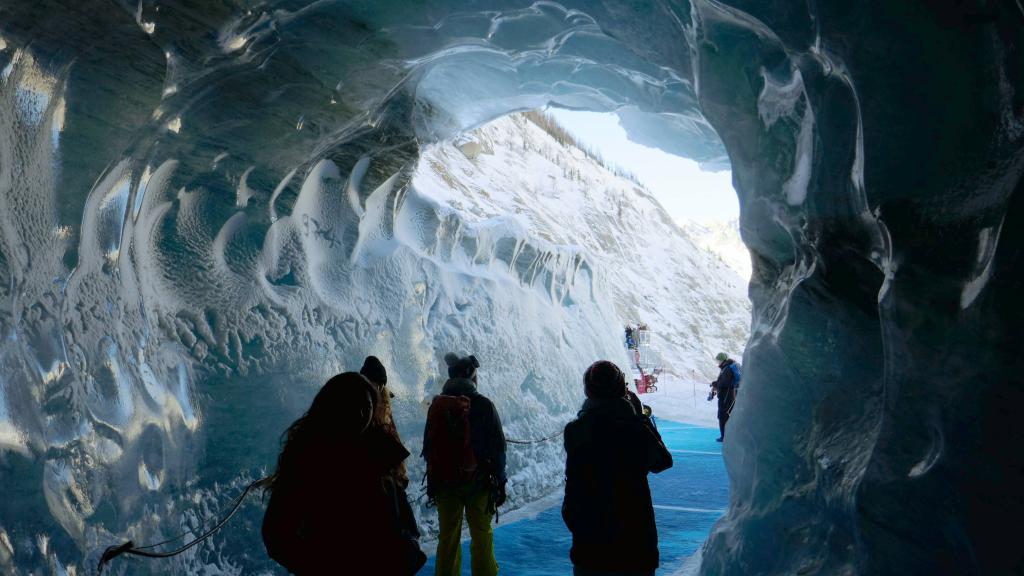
pixel 712 392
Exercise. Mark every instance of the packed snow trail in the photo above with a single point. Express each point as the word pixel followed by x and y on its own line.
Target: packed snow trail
pixel 688 499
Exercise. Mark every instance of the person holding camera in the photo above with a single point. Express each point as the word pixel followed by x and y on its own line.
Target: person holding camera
pixel 725 388
pixel 338 467
pixel 610 449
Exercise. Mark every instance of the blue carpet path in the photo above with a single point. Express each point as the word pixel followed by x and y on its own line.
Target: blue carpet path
pixel 688 499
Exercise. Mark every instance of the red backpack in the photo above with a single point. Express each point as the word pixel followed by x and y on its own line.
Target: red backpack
pixel 449 454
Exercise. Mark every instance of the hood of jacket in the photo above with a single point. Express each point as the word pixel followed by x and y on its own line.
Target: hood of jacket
pixel 611 406
pixel 595 411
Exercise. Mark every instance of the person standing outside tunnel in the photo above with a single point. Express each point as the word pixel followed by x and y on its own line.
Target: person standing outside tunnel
pixel 610 448
pixel 464 446
pixel 725 387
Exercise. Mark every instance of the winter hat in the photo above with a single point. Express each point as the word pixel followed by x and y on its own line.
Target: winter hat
pixel 374 370
pixel 461 366
pixel 722 357
pixel 604 380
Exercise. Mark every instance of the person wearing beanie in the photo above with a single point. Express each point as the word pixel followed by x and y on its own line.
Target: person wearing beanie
pixel 610 448
pixel 725 387
pixel 604 380
pixel 605 374
pixel 474 494
pixel 383 421
pixel 374 371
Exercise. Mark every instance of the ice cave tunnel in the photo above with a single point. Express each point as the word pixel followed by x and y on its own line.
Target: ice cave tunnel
pixel 206 209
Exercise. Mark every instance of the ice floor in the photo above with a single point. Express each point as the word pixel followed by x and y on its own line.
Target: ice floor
pixel 688 499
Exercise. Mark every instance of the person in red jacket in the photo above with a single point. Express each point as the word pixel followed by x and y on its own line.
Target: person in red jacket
pixel 610 448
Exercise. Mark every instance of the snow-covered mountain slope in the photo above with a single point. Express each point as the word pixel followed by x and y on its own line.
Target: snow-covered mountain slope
pixel 651 269
pixel 722 237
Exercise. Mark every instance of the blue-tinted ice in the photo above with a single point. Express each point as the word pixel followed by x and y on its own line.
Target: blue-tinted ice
pixel 205 209
pixel 688 499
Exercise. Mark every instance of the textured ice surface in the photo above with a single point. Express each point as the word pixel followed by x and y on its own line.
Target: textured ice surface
pixel 204 210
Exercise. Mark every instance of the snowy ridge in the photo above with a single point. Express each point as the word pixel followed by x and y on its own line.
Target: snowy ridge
pixel 650 268
pixel 722 237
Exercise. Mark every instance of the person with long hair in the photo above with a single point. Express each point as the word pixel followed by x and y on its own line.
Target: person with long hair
pixel 334 506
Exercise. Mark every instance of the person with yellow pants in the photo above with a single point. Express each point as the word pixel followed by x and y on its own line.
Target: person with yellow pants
pixel 464 446
pixel 476 502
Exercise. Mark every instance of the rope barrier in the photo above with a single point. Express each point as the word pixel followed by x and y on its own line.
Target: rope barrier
pixel 545 439
pixel 422 493
pixel 129 547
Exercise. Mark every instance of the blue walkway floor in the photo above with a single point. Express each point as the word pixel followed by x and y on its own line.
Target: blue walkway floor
pixel 688 499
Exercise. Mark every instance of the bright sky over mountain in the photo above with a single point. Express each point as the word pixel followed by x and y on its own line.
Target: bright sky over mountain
pixel 686 191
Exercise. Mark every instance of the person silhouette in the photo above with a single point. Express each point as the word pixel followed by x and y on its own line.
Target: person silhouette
pixel 610 448
pixel 383 420
pixel 334 505
pixel 725 387
pixel 465 475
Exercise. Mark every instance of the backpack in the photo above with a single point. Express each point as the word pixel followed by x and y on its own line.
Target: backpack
pixel 735 367
pixel 446 441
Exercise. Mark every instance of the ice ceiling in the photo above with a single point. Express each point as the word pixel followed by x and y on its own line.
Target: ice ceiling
pixel 201 197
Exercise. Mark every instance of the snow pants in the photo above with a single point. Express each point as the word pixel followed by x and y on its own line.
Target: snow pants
pixel 726 400
pixel 475 502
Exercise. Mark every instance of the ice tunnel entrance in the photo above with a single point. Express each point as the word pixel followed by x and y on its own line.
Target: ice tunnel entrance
pixel 217 261
pixel 207 208
pixel 699 200
pixel 573 181
pixel 661 231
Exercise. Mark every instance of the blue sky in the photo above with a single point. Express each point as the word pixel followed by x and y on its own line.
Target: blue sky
pixel 686 191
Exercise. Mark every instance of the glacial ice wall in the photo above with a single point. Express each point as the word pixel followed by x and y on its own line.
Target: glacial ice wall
pixel 190 194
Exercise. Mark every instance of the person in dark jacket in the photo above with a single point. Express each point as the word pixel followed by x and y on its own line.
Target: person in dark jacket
pixel 610 449
pixel 725 388
pixel 383 420
pixel 334 507
pixel 478 499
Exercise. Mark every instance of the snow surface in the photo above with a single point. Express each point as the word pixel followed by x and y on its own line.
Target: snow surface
pixel 683 401
pixel 722 237
pixel 657 273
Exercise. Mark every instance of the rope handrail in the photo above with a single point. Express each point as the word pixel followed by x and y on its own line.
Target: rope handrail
pixel 545 439
pixel 129 547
